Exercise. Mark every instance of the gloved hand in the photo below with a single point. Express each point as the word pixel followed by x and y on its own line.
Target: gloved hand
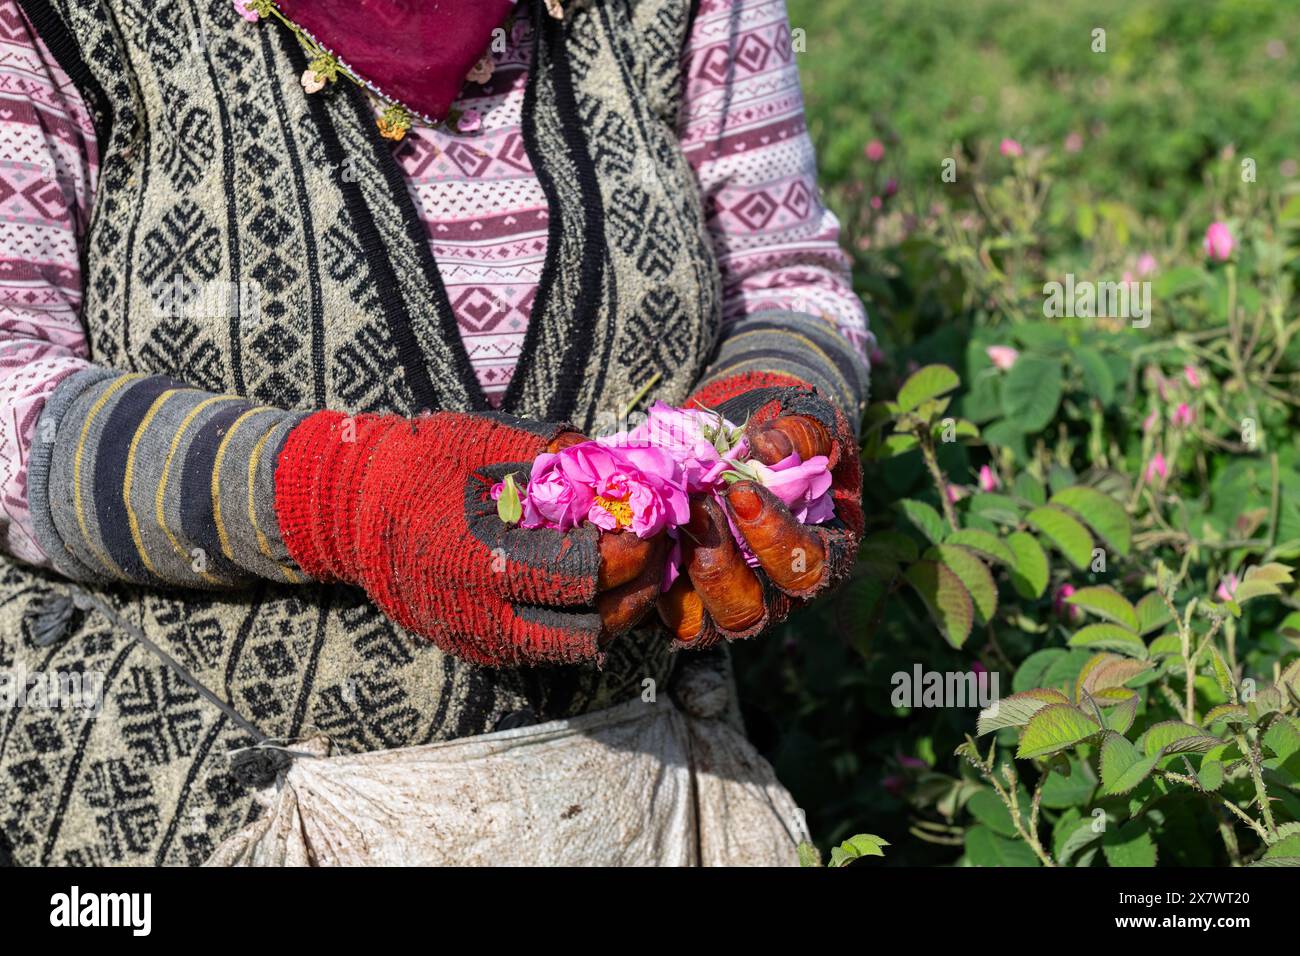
pixel 402 508
pixel 720 596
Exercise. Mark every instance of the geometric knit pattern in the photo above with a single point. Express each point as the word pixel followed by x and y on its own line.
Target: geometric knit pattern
pixel 350 313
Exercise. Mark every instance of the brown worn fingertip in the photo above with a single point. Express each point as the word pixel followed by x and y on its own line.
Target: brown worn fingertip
pixel 730 591
pixel 565 440
pixel 682 611
pixel 769 445
pixel 793 555
pixel 808 436
pixel 623 556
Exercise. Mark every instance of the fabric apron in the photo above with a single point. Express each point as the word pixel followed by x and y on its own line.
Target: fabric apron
pixel 643 783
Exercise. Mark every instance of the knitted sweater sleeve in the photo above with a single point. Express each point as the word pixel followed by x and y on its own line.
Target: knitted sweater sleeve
pixel 48 173
pixel 789 311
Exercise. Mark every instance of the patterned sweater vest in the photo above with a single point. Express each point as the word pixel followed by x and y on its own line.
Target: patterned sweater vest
pixel 218 168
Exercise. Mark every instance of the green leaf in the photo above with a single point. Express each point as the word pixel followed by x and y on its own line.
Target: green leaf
pixel 509 508
pixel 1288 847
pixel 1000 508
pixel 1262 580
pixel 945 597
pixel 1123 767
pixel 1016 710
pixel 1175 736
pixel 974 574
pixel 1129 845
pixel 987 807
pixel 926 383
pixel 808 855
pixel 1119 708
pixel 1178 280
pixel 1072 836
pixel 1074 790
pixel 1222 676
pixel 1105 671
pixel 1055 728
pixel 925 518
pixel 1166 645
pixel 986 848
pixel 1228 713
pixel 1283 736
pixel 1098 379
pixel 856 847
pixel 1031 392
pixel 1101 512
pixel 1029 569
pixel 1105 601
pixel 1110 637
pixel 983 543
pixel 1069 537
pixel 1152 613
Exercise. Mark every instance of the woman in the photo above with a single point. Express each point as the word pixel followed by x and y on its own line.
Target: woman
pixel 247 249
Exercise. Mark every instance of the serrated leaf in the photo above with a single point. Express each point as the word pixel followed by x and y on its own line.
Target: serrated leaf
pixel 986 848
pixel 1123 767
pixel 1000 508
pixel 925 518
pixel 1029 570
pixel 1055 728
pixel 1283 736
pixel 983 543
pixel 1110 637
pixel 1098 380
pixel 1175 736
pixel 1229 713
pixel 1222 676
pixel 1016 710
pixel 975 575
pixel 1210 774
pixel 1105 671
pixel 1287 847
pixel 1031 392
pixel 1152 613
pixel 1129 845
pixel 925 384
pixel 1079 835
pixel 945 597
pixel 1099 511
pixel 856 847
pixel 1065 532
pixel 1104 601
pixel 1262 580
pixel 1165 645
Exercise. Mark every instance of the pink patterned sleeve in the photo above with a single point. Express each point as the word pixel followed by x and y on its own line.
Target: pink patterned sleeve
pixel 785 277
pixel 48 172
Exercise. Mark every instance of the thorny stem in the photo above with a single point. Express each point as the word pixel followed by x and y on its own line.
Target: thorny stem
pixel 932 463
pixel 1243 815
pixel 1254 758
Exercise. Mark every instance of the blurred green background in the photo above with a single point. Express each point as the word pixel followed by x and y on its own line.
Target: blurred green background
pixel 1128 152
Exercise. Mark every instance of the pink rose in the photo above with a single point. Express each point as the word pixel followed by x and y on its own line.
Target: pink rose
pixel 1219 242
pixel 875 151
pixel 1009 147
pixel 803 486
pixel 989 480
pixel 1151 421
pixel 1002 356
pixel 241 7
pixel 955 493
pixel 635 488
pixel 1193 377
pixel 1067 611
pixel 1227 589
pixel 692 438
pixel 1146 264
pixel 1157 468
pixel 1183 415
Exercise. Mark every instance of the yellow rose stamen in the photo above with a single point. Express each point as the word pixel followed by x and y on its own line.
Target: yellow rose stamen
pixel 619 508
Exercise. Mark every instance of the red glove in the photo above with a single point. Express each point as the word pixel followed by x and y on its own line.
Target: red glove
pixel 402 507
pixel 720 596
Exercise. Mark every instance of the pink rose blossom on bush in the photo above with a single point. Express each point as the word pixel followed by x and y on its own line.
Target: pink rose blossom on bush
pixel 875 150
pixel 1227 588
pixel 1157 468
pixel 1151 421
pixel 1067 611
pixel 989 480
pixel 1219 242
pixel 1193 377
pixel 1002 356
pixel 1183 415
pixel 1009 147
pixel 1146 264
